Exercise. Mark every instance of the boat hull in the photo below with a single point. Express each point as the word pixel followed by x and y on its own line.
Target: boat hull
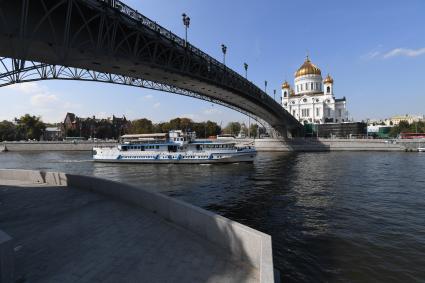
pixel 233 159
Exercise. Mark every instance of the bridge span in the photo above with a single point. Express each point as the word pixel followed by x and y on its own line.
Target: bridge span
pixel 107 41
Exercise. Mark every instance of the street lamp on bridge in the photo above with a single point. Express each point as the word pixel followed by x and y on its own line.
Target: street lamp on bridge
pixel 186 22
pixel 245 65
pixel 224 50
pixel 274 95
pixel 265 86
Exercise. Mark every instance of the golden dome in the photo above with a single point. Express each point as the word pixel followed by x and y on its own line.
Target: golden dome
pixel 286 85
pixel 328 79
pixel 308 68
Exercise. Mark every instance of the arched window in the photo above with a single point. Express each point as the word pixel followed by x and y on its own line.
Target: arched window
pixel 284 93
pixel 328 89
pixel 311 85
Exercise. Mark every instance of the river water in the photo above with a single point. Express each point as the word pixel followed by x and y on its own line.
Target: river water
pixel 333 217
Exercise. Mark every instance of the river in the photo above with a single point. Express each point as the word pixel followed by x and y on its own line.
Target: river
pixel 333 217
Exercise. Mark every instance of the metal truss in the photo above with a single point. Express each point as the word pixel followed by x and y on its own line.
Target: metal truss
pixel 82 39
pixel 13 71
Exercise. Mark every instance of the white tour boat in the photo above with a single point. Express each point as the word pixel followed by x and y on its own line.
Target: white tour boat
pixel 174 147
pixel 421 149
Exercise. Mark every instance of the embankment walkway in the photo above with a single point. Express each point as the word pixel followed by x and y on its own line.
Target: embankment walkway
pixel 68 228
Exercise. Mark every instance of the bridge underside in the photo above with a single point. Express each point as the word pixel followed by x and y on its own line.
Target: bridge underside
pixel 91 35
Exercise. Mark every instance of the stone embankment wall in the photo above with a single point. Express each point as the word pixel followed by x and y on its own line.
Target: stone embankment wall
pixel 325 145
pixel 52 146
pixel 239 241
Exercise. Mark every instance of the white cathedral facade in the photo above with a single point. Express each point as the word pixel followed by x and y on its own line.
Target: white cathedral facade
pixel 312 98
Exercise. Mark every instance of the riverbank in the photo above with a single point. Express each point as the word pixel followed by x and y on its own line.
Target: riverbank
pixel 312 145
pixel 163 238
pixel 54 146
pixel 262 145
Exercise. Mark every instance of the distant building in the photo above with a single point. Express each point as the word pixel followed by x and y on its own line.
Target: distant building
pixel 312 98
pixel 379 131
pixel 395 120
pixel 70 121
pixel 52 134
pixel 91 127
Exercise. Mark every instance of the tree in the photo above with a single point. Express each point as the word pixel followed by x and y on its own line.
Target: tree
pixel 30 127
pixel 233 128
pixel 7 131
pixel 104 129
pixel 253 130
pixel 405 127
pixel 141 126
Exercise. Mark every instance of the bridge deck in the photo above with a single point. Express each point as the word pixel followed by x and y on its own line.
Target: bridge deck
pixel 67 235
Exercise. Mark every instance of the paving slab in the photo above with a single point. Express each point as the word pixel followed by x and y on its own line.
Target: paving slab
pixel 63 234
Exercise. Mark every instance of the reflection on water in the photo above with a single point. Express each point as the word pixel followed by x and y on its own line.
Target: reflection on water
pixel 341 216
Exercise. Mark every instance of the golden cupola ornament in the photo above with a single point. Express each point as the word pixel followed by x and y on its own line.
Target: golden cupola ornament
pixel 308 68
pixel 328 80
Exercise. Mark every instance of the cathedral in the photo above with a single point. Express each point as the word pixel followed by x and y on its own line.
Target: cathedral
pixel 312 98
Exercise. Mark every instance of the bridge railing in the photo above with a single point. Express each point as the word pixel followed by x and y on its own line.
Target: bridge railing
pixel 134 14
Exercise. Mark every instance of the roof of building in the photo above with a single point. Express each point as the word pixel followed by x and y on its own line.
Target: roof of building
pixel 328 79
pixel 286 85
pixel 308 68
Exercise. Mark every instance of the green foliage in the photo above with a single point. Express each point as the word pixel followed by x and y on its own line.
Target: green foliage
pixel 203 129
pixel 233 128
pixel 103 130
pixel 405 127
pixel 30 127
pixel 7 131
pixel 72 133
pixel 253 130
pixel 141 126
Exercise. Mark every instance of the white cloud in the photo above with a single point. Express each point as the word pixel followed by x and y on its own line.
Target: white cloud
pixel 38 99
pixel 156 105
pixel 404 52
pixel 189 115
pixel 43 100
pixel 372 55
pixel 27 88
pixel 212 111
pixel 102 115
pixel 147 96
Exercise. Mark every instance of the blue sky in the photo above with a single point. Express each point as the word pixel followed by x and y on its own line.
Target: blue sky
pixel 375 50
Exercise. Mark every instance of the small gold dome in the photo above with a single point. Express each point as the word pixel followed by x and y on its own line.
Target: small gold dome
pixel 285 85
pixel 328 80
pixel 308 68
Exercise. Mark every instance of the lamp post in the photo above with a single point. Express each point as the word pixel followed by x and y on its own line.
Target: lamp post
pixel 265 86
pixel 274 95
pixel 186 23
pixel 224 50
pixel 245 65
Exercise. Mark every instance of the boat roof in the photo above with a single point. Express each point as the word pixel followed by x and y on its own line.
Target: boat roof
pixel 211 142
pixel 137 136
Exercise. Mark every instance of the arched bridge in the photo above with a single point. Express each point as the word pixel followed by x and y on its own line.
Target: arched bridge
pixel 105 40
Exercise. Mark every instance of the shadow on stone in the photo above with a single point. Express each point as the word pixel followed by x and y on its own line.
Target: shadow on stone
pixel 112 232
